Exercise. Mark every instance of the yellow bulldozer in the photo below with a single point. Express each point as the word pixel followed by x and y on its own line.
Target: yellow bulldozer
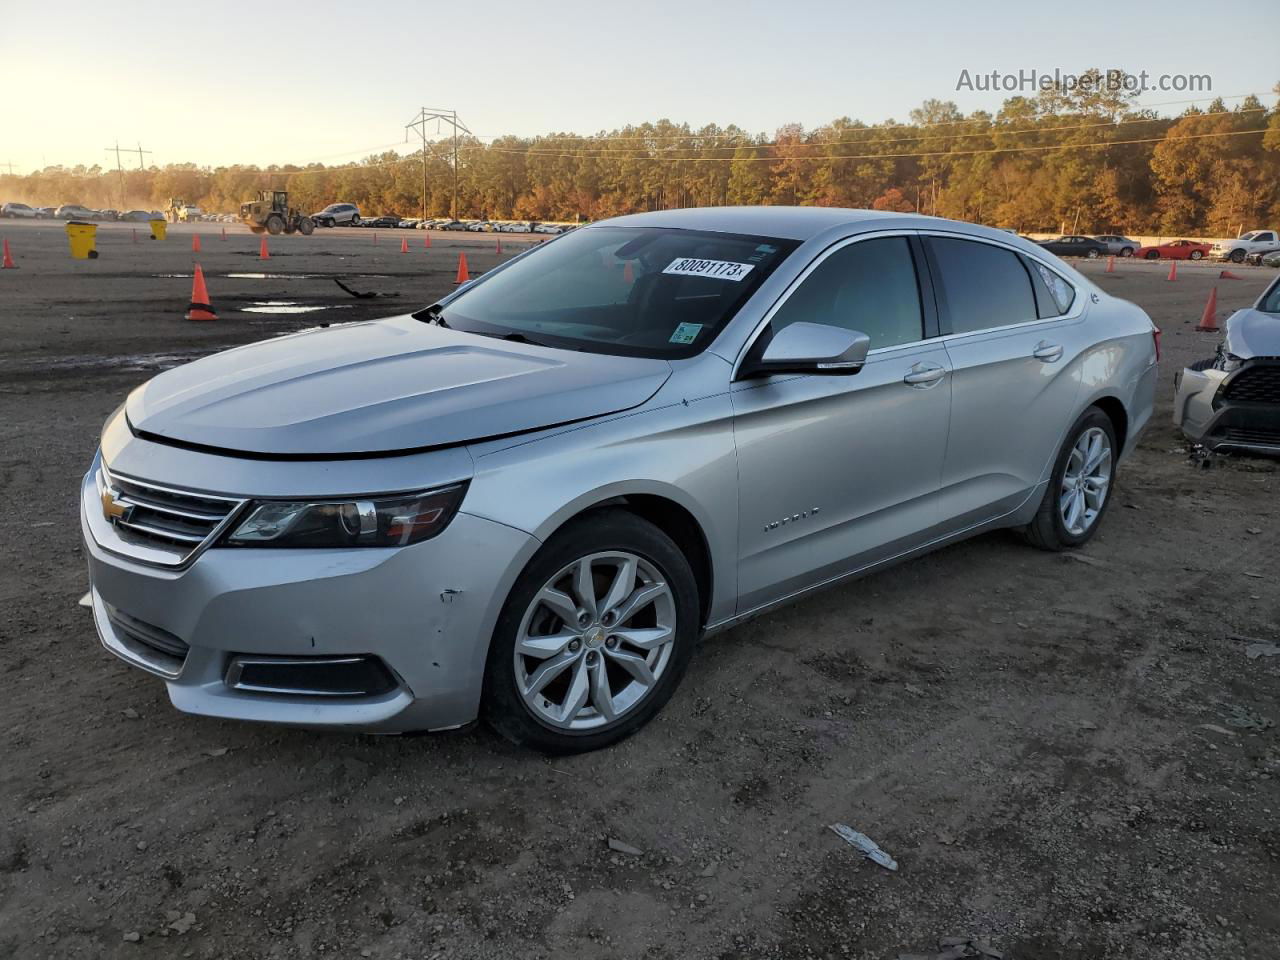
pixel 271 213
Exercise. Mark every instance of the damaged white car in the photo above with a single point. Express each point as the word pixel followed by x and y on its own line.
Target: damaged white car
pixel 1231 401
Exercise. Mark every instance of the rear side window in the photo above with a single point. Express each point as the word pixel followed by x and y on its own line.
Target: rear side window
pixel 1054 295
pixel 869 286
pixel 985 286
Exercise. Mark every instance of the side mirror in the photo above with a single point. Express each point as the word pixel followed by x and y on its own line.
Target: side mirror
pixel 811 348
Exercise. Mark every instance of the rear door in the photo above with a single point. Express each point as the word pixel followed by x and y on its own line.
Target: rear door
pixel 837 472
pixel 1013 329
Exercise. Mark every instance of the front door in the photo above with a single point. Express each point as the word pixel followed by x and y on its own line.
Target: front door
pixel 837 472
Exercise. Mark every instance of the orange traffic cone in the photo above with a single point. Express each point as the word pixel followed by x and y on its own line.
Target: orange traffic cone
pixel 1228 275
pixel 263 253
pixel 464 275
pixel 1111 265
pixel 195 243
pixel 498 247
pixel 7 263
pixel 404 244
pixel 1209 319
pixel 426 242
pixel 628 274
pixel 1173 270
pixel 200 308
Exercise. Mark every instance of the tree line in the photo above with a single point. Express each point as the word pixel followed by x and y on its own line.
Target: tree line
pixel 1088 162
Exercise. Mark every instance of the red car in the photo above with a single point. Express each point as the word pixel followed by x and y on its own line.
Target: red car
pixel 1175 250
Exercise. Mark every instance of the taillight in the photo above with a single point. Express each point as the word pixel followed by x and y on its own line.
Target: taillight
pixel 1155 336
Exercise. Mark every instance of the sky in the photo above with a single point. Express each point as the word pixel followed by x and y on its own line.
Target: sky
pixel 289 82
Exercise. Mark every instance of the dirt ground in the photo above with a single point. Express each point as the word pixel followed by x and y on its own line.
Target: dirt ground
pixel 1071 757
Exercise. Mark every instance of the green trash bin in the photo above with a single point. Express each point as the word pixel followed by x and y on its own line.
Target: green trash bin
pixel 82 237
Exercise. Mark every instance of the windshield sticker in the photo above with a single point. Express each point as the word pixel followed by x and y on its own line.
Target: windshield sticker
pixel 717 269
pixel 686 332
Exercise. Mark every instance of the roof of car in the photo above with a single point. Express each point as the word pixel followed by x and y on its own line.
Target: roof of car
pixel 792 223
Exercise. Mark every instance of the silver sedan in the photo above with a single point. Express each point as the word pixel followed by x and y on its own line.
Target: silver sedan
pixel 528 501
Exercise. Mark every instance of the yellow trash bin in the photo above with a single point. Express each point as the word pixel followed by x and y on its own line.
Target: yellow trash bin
pixel 158 227
pixel 82 237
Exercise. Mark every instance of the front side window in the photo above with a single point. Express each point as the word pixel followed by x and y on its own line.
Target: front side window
pixel 985 286
pixel 869 286
pixel 635 291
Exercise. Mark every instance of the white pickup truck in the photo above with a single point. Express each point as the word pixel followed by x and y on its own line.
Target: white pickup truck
pixel 1255 241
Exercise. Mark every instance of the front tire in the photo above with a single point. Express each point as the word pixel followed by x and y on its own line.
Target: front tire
pixel 1079 487
pixel 594 637
pixel 274 225
pixel 1153 255
pixel 306 226
pixel 1196 254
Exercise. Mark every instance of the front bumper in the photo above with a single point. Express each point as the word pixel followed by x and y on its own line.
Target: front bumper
pixel 426 611
pixel 1220 425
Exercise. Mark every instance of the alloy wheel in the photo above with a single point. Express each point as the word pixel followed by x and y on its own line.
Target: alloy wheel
pixel 1086 481
pixel 595 640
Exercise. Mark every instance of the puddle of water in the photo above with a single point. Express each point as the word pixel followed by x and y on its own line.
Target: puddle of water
pixel 138 361
pixel 289 306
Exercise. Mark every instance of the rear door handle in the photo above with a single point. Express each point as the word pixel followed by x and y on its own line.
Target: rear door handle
pixel 1048 352
pixel 924 375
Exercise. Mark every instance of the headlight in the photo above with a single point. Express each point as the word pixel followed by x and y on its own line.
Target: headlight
pixel 373 522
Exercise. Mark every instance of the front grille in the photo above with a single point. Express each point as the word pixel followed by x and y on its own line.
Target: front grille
pixel 158 648
pixel 177 521
pixel 1254 384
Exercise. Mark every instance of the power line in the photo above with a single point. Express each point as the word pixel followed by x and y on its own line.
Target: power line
pixel 899 156
pixel 419 123
pixel 988 132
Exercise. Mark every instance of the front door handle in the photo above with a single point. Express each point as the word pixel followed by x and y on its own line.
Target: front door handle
pixel 1048 352
pixel 924 375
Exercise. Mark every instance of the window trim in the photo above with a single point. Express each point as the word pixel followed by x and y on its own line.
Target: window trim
pixel 929 308
pixel 947 335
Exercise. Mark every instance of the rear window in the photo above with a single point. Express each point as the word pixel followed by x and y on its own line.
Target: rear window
pixel 1054 295
pixel 650 291
pixel 984 286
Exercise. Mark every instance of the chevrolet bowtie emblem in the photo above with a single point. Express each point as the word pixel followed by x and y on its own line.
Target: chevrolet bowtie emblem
pixel 112 508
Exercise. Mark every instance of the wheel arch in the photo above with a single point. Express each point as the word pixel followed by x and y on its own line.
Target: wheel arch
pixel 1116 412
pixel 667 510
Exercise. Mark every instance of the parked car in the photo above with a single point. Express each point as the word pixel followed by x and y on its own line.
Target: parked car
pixel 408 223
pixel 18 211
pixel 1231 401
pixel 338 215
pixel 385 221
pixel 1075 246
pixel 453 225
pixel 45 213
pixel 537 494
pixel 1238 250
pixel 520 226
pixel 548 228
pixel 109 215
pixel 1174 250
pixel 1265 259
pixel 73 211
pixel 1117 245
pixel 137 216
pixel 479 226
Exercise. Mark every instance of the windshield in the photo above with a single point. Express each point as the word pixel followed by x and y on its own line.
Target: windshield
pixel 1270 302
pixel 638 291
pixel 1249 236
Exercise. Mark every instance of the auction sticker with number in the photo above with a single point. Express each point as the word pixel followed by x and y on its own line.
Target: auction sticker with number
pixel 716 269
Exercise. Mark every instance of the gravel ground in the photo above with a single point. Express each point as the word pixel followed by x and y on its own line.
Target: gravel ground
pixel 1071 757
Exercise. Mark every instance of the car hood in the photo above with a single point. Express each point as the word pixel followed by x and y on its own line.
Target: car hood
pixel 388 386
pixel 1252 333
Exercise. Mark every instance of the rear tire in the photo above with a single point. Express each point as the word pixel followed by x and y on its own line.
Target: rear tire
pixel 355 220
pixel 1049 529
pixel 1237 256
pixel 1092 254
pixel 602 540
pixel 1126 251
